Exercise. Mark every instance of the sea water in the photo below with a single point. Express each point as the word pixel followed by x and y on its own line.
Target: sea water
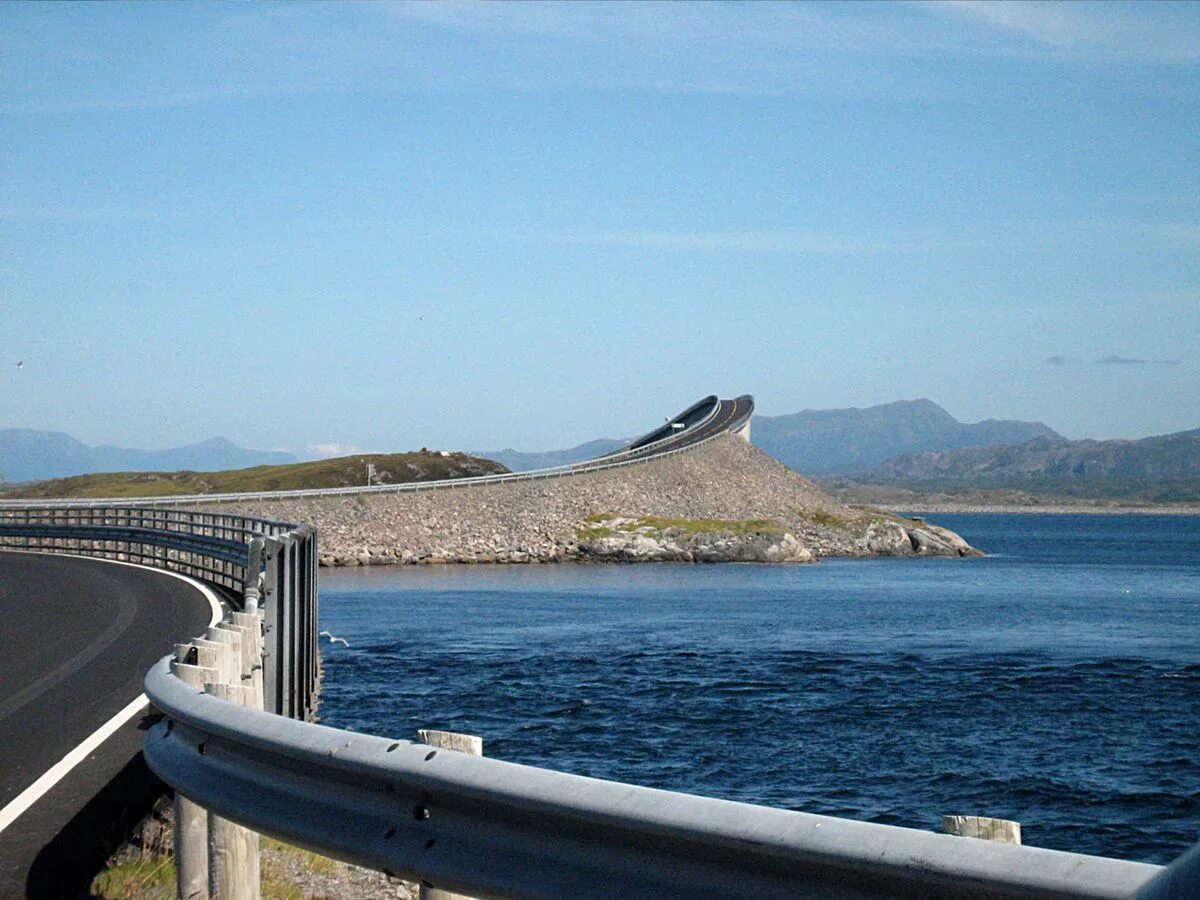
pixel 1055 682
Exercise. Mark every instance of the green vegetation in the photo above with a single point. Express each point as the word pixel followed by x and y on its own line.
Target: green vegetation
pixel 346 471
pixel 595 534
pixel 138 878
pixel 607 524
pixel 152 876
pixel 702 526
pixel 828 519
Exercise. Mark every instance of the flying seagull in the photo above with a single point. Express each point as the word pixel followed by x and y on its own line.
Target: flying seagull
pixel 335 640
pixel 20 364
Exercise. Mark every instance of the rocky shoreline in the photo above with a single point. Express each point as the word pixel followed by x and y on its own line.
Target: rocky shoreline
pixel 725 501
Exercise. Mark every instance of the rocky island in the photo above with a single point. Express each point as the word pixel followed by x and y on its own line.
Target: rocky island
pixel 724 501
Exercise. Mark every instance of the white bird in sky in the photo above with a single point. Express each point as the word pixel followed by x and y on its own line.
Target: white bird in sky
pixel 335 640
pixel 20 363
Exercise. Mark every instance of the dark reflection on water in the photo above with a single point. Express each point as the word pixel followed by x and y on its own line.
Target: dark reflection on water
pixel 1056 682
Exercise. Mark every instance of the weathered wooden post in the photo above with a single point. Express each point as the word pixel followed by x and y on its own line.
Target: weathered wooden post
pixel 233 865
pixel 1004 830
pixel 191 819
pixel 462 743
pixel 249 627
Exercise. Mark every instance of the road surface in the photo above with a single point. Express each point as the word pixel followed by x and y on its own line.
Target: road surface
pixel 76 638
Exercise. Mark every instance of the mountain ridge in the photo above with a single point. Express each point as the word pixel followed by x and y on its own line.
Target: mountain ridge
pixel 856 439
pixel 1159 468
pixel 27 454
pixel 524 461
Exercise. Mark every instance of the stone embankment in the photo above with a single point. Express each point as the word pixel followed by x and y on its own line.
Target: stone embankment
pixel 723 501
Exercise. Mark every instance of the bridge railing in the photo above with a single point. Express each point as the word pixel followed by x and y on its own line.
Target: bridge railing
pixel 265 565
pixel 664 434
pixel 603 463
pixel 669 446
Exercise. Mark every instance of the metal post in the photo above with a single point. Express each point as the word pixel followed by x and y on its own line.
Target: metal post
pixel 288 639
pixel 272 626
pixel 252 583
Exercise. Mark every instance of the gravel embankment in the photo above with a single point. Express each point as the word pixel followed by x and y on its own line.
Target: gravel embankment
pixel 541 521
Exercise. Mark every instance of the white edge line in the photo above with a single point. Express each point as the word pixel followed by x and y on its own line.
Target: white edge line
pixel 24 800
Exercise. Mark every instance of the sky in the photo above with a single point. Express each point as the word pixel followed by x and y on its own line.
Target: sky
pixel 326 228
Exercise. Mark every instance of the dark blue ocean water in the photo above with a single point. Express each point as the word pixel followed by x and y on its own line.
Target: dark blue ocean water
pixel 1056 682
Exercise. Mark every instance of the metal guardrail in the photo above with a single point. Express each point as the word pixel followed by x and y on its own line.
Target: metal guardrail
pixel 647 441
pixel 490 828
pixel 271 566
pixel 666 447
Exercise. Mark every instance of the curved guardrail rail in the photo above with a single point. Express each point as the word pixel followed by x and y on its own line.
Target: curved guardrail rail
pixel 660 435
pixel 666 447
pixel 263 564
pixel 491 828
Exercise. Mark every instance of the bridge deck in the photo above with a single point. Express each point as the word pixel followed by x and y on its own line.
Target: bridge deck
pixel 76 638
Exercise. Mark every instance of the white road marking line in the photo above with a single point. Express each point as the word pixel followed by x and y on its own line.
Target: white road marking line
pixel 59 770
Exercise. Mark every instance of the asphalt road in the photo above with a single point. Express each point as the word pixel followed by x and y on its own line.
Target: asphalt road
pixel 76 639
pixel 728 413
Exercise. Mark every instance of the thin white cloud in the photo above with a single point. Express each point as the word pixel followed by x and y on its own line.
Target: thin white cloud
pixel 331 449
pixel 1162 33
pixel 1114 359
pixel 107 58
pixel 1048 23
pixel 1011 234
pixel 763 241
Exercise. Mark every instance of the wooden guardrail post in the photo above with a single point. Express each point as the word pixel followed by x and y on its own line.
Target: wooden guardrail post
pixel 250 627
pixel 191 819
pixel 462 743
pixel 1004 830
pixel 233 863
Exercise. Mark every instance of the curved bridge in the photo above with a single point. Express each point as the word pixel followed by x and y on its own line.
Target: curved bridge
pixel 699 423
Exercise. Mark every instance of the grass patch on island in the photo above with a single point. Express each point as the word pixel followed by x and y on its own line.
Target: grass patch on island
pixel 602 525
pixel 595 533
pixel 828 519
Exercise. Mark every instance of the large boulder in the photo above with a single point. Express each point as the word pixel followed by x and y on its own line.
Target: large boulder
pixel 685 545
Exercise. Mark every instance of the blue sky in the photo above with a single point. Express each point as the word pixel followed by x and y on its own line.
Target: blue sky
pixel 386 226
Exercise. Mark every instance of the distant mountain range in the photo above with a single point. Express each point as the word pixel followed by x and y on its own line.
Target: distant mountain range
pixel 913 443
pixel 830 441
pixel 516 461
pixel 1158 469
pixel 28 455
pixel 844 441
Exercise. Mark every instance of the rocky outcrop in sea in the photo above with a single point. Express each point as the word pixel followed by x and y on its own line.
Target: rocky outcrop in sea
pixel 725 501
